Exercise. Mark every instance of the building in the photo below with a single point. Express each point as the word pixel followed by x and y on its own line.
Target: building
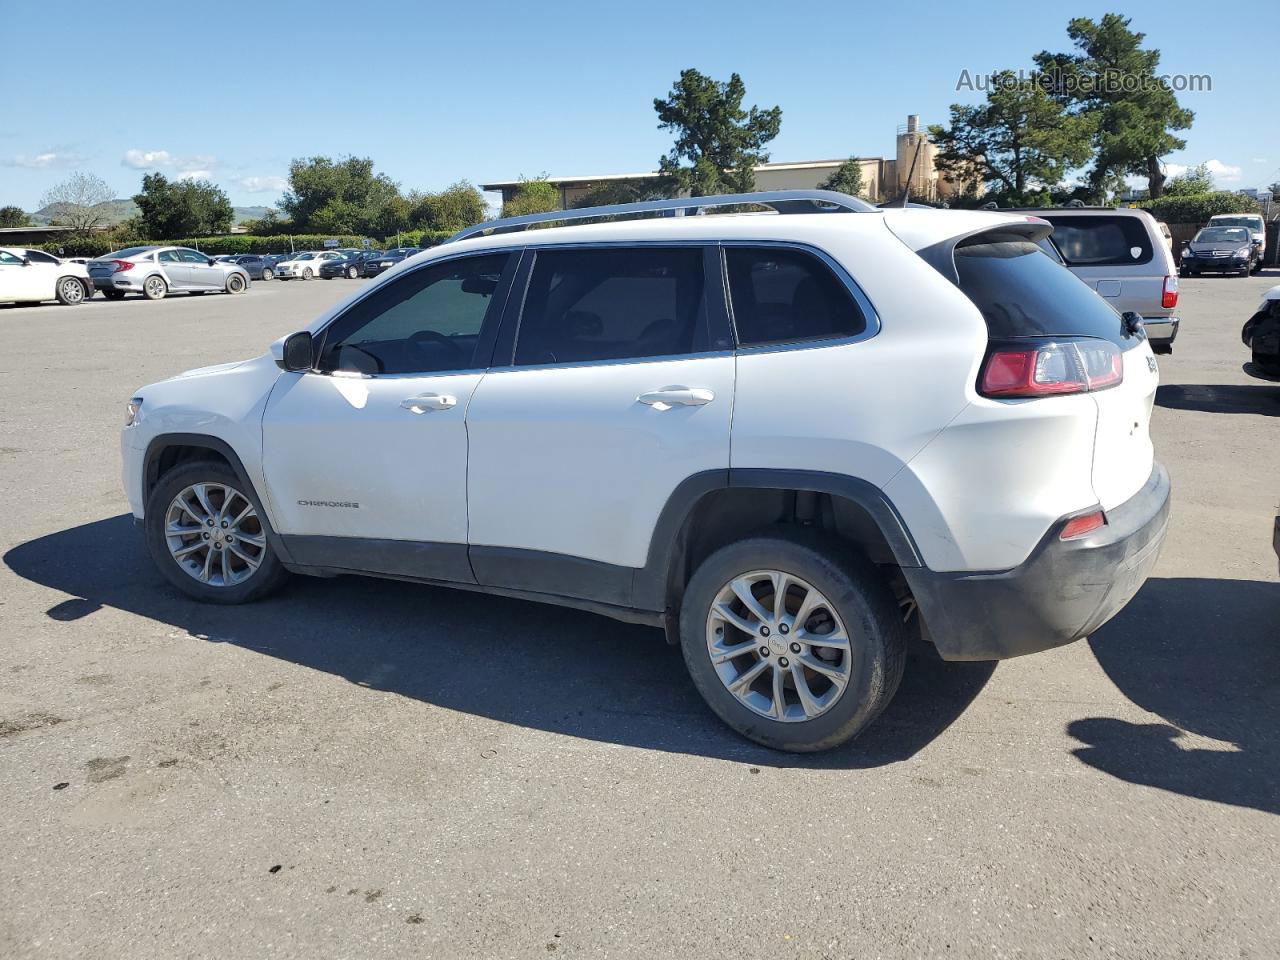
pixel 882 178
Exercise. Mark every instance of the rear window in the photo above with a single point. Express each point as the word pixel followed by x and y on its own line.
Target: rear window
pixel 125 254
pixel 1022 293
pixel 1101 241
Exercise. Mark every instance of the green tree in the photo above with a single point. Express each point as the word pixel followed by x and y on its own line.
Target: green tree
pixel 846 179
pixel 341 196
pixel 1275 189
pixel 13 217
pixel 609 192
pixel 456 206
pixel 1020 143
pixel 78 202
pixel 1194 181
pixel 722 143
pixel 172 209
pixel 1114 79
pixel 532 196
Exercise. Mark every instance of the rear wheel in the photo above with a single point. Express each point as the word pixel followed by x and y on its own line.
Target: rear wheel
pixel 71 291
pixel 793 641
pixel 155 288
pixel 204 530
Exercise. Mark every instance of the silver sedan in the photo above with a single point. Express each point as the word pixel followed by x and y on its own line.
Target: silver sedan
pixel 155 272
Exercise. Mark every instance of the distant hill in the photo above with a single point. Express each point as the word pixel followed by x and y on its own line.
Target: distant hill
pixel 121 209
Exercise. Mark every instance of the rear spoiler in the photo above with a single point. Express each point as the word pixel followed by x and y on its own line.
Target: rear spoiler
pixel 942 255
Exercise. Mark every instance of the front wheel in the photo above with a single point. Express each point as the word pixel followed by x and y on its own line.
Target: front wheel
pixel 267 274
pixel 236 284
pixel 204 530
pixel 307 274
pixel 155 288
pixel 71 291
pixel 794 641
pixel 352 273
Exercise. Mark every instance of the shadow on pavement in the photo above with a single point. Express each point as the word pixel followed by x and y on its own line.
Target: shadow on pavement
pixel 539 666
pixel 1221 397
pixel 1205 656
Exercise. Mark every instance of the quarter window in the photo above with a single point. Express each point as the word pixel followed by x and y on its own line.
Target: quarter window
pixel 786 296
pixel 613 304
pixel 427 321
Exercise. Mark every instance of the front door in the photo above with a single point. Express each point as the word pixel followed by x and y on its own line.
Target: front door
pixel 620 387
pixel 199 271
pixel 20 280
pixel 365 457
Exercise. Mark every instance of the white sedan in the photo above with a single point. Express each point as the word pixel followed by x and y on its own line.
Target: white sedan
pixel 33 276
pixel 304 266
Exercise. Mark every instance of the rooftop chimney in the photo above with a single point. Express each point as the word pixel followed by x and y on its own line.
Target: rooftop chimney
pixel 913 122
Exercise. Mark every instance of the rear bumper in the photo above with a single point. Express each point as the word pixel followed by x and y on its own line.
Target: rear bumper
pixel 1161 330
pixel 1064 591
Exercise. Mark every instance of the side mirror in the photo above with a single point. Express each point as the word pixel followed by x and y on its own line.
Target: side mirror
pixel 26 261
pixel 294 352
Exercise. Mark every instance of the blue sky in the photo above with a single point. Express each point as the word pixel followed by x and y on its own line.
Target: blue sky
pixel 440 92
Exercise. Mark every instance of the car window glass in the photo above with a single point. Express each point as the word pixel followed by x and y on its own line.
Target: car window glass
pixel 9 260
pixel 170 256
pixel 613 304
pixel 193 256
pixel 428 320
pixel 784 296
pixel 1101 241
pixel 39 256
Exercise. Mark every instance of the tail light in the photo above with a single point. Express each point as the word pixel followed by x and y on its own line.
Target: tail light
pixel 1047 368
pixel 121 266
pixel 1169 297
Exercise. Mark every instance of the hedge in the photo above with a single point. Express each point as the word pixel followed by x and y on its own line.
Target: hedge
pixel 97 245
pixel 1198 207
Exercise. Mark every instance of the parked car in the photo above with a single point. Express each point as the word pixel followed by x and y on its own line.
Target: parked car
pixel 1122 254
pixel 155 272
pixel 1254 224
pixel 350 265
pixel 1261 334
pixel 303 266
pixel 33 276
pixel 256 265
pixel 1219 250
pixel 387 260
pixel 366 265
pixel 969 458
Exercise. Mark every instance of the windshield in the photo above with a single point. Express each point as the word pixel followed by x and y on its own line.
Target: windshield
pixel 1222 235
pixel 1254 223
pixel 125 253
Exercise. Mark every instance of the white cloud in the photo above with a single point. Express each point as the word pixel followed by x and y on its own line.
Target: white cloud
pixel 264 184
pixel 1258 160
pixel 186 167
pixel 44 161
pixel 1172 170
pixel 1223 172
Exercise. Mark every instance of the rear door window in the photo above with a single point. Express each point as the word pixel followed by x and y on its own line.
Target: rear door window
pixel 613 304
pixel 1022 293
pixel 1100 241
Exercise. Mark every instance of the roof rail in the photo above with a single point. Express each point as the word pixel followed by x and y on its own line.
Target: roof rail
pixel 782 201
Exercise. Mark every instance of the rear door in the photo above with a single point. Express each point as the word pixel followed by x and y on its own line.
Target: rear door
pixel 618 388
pixel 175 270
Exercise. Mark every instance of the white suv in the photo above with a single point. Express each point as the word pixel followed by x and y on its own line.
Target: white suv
pixel 787 439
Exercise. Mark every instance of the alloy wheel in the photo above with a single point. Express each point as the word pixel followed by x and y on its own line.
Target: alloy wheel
pixel 214 534
pixel 779 646
pixel 72 291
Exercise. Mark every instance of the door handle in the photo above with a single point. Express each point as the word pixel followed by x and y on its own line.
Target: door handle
pixel 428 401
pixel 669 397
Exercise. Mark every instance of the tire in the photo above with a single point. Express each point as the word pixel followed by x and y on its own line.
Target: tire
pixel 307 274
pixel 71 291
pixel 352 273
pixel 155 288
pixel 267 274
pixel 236 284
pixel 113 294
pixel 245 582
pixel 853 593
